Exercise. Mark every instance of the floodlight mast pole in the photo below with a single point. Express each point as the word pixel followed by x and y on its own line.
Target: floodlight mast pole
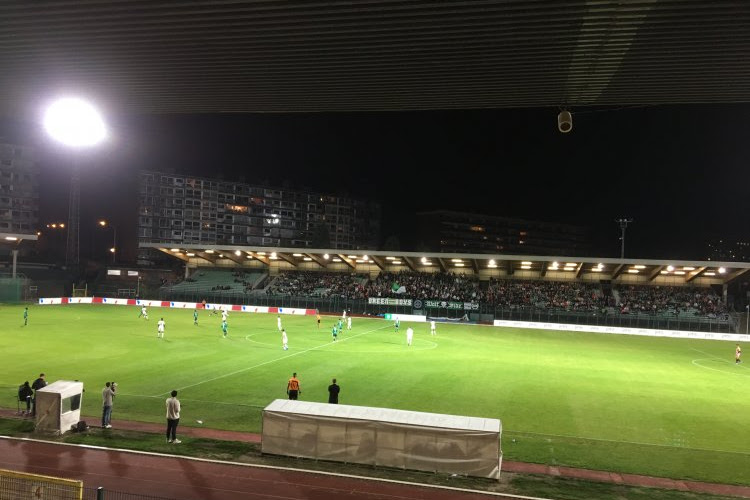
pixel 73 247
pixel 623 226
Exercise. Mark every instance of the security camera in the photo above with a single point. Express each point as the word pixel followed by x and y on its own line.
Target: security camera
pixel 564 122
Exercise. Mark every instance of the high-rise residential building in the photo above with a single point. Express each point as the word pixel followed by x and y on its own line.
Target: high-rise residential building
pixel 181 209
pixel 729 248
pixel 448 231
pixel 19 190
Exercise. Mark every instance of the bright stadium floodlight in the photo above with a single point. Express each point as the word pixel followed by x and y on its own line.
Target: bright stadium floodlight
pixel 74 122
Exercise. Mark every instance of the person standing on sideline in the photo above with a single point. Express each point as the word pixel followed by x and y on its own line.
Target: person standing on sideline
pixel 432 327
pixel 409 335
pixel 108 395
pixel 39 383
pixel 173 418
pixel 195 317
pixel 292 387
pixel 333 393
pixel 278 322
pixel 25 316
pixel 284 341
pixel 317 315
pixel 224 327
pixel 160 329
pixel 349 323
pixel 737 355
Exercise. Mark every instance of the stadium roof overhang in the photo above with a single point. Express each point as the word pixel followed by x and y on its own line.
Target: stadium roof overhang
pixel 17 238
pixel 484 265
pixel 278 57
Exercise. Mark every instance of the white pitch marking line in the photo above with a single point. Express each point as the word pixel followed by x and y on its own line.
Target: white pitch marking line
pixel 718 358
pixel 272 361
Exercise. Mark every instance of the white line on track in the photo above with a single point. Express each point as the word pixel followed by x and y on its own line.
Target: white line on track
pixel 274 360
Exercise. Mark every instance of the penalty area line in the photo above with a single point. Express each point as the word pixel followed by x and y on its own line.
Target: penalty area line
pixel 271 361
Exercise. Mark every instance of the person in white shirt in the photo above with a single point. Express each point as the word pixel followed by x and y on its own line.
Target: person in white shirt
pixel 409 335
pixel 284 340
pixel 432 327
pixel 343 316
pixel 144 312
pixel 173 418
pixel 278 322
pixel 224 315
pixel 349 323
pixel 160 329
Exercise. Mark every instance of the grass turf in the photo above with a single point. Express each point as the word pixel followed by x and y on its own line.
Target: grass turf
pixel 667 407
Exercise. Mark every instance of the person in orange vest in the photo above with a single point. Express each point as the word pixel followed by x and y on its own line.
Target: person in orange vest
pixel 292 387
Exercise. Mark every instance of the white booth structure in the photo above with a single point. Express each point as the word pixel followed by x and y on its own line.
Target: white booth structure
pixel 58 406
pixel 383 437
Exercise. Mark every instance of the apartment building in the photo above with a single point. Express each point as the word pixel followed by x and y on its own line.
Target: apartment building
pixel 186 210
pixel 19 190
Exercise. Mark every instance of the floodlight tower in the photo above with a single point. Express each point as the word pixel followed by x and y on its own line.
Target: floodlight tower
pixel 76 124
pixel 623 226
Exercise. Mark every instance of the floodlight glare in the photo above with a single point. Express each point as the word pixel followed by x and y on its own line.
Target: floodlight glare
pixel 74 122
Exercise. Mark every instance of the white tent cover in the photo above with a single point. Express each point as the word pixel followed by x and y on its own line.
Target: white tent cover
pixel 383 436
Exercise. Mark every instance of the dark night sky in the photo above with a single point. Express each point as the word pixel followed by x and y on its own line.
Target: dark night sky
pixel 680 172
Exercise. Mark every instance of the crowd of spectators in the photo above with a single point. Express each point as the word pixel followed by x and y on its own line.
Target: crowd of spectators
pixel 438 286
pixel 505 293
pixel 571 296
pixel 310 283
pixel 670 299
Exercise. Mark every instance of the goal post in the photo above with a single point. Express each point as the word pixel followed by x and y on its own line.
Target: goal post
pixel 23 486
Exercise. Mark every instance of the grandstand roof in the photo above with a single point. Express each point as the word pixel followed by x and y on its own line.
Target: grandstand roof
pixel 522 266
pixel 228 56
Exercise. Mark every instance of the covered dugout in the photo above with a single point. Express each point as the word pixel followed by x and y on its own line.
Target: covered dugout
pixel 384 437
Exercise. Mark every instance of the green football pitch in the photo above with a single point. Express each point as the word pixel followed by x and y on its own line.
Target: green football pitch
pixel 659 406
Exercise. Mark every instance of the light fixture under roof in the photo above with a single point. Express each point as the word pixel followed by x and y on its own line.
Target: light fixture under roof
pixel 571 264
pixel 308 259
pixel 459 264
pixel 296 255
pixel 273 255
pixel 688 268
pixel 722 270
pixel 423 260
pixel 709 273
pixel 249 256
pixel 525 267
pixel 209 251
pixel 396 262
pixel 390 258
pixel 639 266
pixel 237 253
pixel 670 268
pixel 526 263
pixel 261 253
pixel 633 271
pixel 174 249
pixel 336 259
pixel 456 260
pixel 351 256
pixel 190 254
pixel 492 262
pixel 326 257
pixel 679 272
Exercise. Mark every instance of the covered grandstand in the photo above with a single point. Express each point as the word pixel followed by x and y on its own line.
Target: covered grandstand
pixel 686 295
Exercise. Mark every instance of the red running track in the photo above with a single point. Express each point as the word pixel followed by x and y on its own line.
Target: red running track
pixel 189 479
